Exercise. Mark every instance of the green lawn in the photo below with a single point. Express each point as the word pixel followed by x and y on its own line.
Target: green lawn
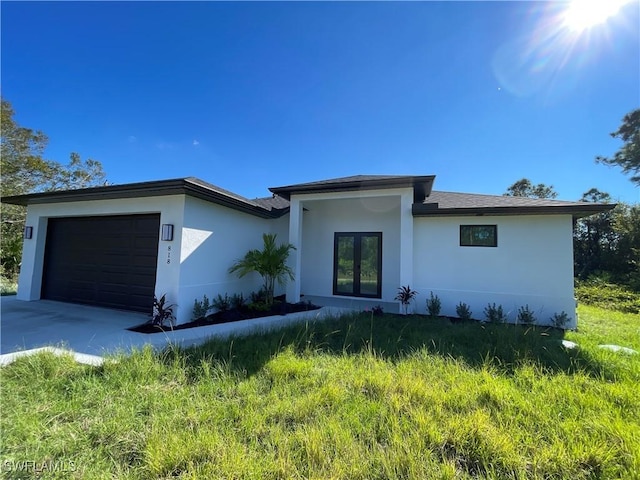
pixel 359 397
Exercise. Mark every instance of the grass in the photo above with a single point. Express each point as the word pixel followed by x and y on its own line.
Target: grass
pixel 358 397
pixel 599 293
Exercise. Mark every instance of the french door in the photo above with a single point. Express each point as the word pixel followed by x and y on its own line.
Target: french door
pixel 357 264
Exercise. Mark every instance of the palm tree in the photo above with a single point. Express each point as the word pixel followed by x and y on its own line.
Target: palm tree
pixel 270 263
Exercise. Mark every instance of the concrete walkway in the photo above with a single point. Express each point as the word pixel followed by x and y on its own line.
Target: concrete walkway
pixel 91 332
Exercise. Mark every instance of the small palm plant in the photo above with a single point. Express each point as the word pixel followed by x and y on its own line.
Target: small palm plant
pixel 405 296
pixel 270 263
pixel 162 311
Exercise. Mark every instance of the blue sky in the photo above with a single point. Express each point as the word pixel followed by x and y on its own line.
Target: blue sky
pixel 249 95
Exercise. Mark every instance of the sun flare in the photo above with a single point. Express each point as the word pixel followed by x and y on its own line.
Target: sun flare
pixel 584 14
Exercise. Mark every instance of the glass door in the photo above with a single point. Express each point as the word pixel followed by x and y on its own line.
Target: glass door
pixel 357 269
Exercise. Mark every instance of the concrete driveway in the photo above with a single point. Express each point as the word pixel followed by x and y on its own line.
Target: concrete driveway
pixel 93 331
pixel 81 328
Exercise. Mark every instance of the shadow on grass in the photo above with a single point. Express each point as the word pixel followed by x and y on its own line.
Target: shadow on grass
pixel 394 337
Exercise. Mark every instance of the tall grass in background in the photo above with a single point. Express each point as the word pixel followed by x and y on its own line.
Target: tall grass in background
pixel 607 295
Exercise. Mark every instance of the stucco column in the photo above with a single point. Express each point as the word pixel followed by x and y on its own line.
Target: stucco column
pixel 406 240
pixel 295 259
pixel 31 268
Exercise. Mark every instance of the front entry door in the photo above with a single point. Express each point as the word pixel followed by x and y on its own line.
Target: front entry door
pixel 357 264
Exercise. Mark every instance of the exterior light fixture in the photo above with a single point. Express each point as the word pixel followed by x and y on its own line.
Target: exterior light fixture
pixel 28 232
pixel 167 232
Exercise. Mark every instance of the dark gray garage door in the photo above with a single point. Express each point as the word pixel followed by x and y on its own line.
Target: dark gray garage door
pixel 103 261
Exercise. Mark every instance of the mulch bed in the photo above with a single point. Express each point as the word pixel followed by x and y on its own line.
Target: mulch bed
pixel 232 315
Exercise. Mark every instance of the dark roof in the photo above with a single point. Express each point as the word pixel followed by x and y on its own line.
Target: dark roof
pixel 187 186
pixel 273 202
pixel 452 203
pixel 435 204
pixel 421 185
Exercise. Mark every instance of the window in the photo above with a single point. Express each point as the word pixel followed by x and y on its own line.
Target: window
pixel 478 235
pixel 357 264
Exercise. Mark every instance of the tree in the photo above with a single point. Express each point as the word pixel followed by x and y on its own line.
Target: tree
pixel 594 239
pixel 21 149
pixel 24 170
pixel 626 223
pixel 524 188
pixel 608 244
pixel 628 157
pixel 270 263
pixel 77 173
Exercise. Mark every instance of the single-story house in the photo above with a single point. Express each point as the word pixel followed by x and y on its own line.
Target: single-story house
pixel 358 239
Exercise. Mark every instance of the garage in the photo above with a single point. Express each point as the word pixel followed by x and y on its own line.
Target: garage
pixel 107 261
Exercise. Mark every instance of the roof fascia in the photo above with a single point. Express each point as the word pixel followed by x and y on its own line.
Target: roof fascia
pixel 577 211
pixel 132 190
pixel 144 189
pixel 203 193
pixel 422 186
pixel 349 194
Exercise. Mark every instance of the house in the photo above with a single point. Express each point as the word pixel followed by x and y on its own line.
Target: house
pixel 357 240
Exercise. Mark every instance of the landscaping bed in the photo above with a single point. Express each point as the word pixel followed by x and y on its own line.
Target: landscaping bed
pixel 279 307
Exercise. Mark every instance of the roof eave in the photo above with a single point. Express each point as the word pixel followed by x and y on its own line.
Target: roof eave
pixel 133 190
pixel 422 186
pixel 144 189
pixel 577 211
pixel 203 193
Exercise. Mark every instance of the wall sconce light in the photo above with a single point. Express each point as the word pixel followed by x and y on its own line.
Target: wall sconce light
pixel 167 232
pixel 28 233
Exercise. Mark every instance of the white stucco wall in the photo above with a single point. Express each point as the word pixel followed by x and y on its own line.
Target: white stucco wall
pixel 213 237
pixel 170 209
pixel 369 211
pixel 532 264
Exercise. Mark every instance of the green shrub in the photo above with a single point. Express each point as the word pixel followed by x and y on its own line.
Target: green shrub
pixel 237 301
pixel 7 286
pixel 258 297
pixel 607 295
pixel 494 314
pixel 560 320
pixel 463 311
pixel 221 303
pixel 259 306
pixel 634 281
pixel 526 316
pixel 201 308
pixel 434 305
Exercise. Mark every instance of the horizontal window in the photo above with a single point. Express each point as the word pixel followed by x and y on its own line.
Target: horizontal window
pixel 478 235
